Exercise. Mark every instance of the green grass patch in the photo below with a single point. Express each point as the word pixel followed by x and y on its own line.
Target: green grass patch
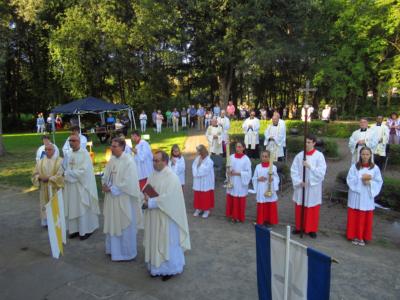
pixel 17 166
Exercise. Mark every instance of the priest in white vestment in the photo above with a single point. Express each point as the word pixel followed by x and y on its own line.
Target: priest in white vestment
pixel 166 231
pixel 80 192
pixel 365 182
pixel 214 137
pixel 240 176
pixel 41 153
pixel 177 163
pixel 315 167
pixel 225 124
pixel 360 138
pixel 143 158
pixel 251 126
pixel 48 176
pixel 83 141
pixel 382 133
pixel 122 204
pixel 275 137
pixel 310 110
pixel 263 182
pixel 203 182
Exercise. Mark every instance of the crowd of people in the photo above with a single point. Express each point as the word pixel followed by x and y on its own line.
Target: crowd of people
pixel 144 190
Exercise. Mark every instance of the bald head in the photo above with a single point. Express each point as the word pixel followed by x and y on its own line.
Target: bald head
pixel 74 142
pixel 49 149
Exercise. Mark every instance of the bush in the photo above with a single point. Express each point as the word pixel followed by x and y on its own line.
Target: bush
pixel 394 155
pixel 329 148
pixel 333 129
pixel 390 194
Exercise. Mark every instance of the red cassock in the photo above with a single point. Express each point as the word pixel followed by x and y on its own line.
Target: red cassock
pixel 311 218
pixel 235 207
pixel 359 224
pixel 204 200
pixel 142 183
pixel 267 212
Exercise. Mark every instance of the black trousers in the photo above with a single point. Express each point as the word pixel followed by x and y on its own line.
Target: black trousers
pixel 380 161
pixel 252 153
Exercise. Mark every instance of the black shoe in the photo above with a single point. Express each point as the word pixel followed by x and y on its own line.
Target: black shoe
pixel 166 277
pixel 85 237
pixel 295 231
pixel 73 235
pixel 313 235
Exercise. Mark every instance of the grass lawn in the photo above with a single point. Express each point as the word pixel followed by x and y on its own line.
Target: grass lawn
pixel 17 166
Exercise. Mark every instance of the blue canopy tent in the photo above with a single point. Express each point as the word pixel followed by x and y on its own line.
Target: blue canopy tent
pixel 94 106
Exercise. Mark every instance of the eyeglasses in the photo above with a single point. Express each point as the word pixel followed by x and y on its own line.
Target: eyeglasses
pixel 156 160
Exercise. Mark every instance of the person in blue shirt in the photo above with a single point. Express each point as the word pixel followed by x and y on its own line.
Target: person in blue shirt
pixel 193 114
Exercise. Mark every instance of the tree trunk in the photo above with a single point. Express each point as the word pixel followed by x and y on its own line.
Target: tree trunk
pixel 225 84
pixel 2 149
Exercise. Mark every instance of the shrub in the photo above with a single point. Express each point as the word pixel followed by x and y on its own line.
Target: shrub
pixel 390 194
pixel 394 155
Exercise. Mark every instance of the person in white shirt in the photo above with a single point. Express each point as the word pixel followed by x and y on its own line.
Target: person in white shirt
pixel 310 110
pixel 175 120
pixel 177 163
pixel 159 121
pixel 143 158
pixel 362 137
pixel 266 184
pixel 365 182
pixel 382 134
pixel 240 176
pixel 251 126
pixel 203 182
pixel 41 153
pixel 326 113
pixel 143 121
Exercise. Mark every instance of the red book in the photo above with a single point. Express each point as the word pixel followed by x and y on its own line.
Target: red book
pixel 149 190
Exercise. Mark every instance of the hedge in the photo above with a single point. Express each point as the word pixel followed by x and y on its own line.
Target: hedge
pixel 389 195
pixel 295 144
pixel 333 129
pixel 394 155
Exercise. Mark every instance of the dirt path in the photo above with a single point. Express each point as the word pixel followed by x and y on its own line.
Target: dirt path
pixel 221 264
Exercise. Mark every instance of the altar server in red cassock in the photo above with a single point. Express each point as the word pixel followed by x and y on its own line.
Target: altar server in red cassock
pixel 267 204
pixel 203 182
pixel 315 167
pixel 240 176
pixel 365 182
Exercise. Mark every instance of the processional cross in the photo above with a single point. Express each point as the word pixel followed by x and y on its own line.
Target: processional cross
pixel 307 91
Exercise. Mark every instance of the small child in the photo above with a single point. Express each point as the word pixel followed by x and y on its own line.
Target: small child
pixel 267 206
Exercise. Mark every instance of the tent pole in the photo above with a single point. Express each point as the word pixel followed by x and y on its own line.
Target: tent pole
pixel 79 123
pixel 133 117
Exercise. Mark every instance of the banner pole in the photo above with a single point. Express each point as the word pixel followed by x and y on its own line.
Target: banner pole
pixel 287 260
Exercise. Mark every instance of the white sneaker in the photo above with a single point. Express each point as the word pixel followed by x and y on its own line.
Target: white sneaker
pixel 205 214
pixel 361 243
pixel 355 242
pixel 196 213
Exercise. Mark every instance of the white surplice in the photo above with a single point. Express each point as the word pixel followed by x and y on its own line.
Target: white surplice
pixel 278 134
pixel 382 134
pixel 203 175
pixel 240 183
pixel 214 144
pixel 225 124
pixel 361 196
pixel 143 159
pixel 178 167
pixel 314 177
pixel 67 148
pixel 371 141
pixel 261 187
pixel 250 129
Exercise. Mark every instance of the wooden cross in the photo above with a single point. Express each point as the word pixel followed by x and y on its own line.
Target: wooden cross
pixel 307 90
